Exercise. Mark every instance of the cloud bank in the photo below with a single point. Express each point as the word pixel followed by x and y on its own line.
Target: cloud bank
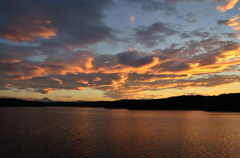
pixel 47 46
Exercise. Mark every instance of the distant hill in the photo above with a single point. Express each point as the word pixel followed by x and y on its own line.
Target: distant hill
pixel 224 102
pixel 46 100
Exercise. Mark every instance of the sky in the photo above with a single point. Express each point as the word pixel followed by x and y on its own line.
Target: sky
pixel 69 50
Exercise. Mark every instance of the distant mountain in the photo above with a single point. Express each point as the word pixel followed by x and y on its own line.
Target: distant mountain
pixel 46 100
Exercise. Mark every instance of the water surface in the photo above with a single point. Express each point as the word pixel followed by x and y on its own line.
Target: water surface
pixel 99 132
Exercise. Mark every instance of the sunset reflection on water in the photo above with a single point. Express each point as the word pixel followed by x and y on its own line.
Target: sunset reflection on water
pixel 98 132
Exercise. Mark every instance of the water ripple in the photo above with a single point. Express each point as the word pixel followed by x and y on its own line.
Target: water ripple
pixel 84 132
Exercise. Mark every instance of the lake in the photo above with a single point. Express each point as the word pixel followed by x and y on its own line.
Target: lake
pixel 99 132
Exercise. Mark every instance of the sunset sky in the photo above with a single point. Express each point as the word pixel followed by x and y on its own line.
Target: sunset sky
pixel 91 50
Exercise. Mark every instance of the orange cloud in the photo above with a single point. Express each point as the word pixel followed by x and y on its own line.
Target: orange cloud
pixel 132 19
pixel 85 65
pixel 48 22
pixel 97 79
pixel 228 5
pixel 55 79
pixel 71 48
pixel 48 90
pixel 29 31
pixel 126 79
pixel 44 32
pixel 117 84
pixel 82 81
pixel 235 23
pixel 224 61
pixel 132 49
pixel 11 86
pixel 81 88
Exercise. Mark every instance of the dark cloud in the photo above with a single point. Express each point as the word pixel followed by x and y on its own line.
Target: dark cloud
pixel 190 17
pixel 222 22
pixel 20 70
pixel 134 58
pixel 220 2
pixel 168 53
pixel 208 59
pixel 14 53
pixel 70 22
pixel 201 34
pixel 174 66
pixel 196 33
pixel 105 61
pixel 153 34
pixel 185 35
pixel 229 35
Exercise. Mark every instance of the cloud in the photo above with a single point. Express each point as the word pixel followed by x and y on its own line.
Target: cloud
pixel 198 33
pixel 167 6
pixel 146 35
pixel 190 17
pixel 132 18
pixel 127 74
pixel 79 23
pixel 222 22
pixel 134 58
pixel 63 96
pixel 52 52
pixel 229 4
pixel 27 30
pixel 233 22
pixel 156 5
pixel 208 81
pixel 152 5
pixel 229 35
pixel 138 88
pixel 185 35
pixel 10 53
pixel 135 77
pixel 191 20
pixel 153 34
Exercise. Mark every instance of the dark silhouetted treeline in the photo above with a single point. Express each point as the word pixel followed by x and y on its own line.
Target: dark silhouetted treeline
pixel 11 102
pixel 224 102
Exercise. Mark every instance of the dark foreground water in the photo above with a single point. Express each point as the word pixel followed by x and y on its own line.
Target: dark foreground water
pixel 98 132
